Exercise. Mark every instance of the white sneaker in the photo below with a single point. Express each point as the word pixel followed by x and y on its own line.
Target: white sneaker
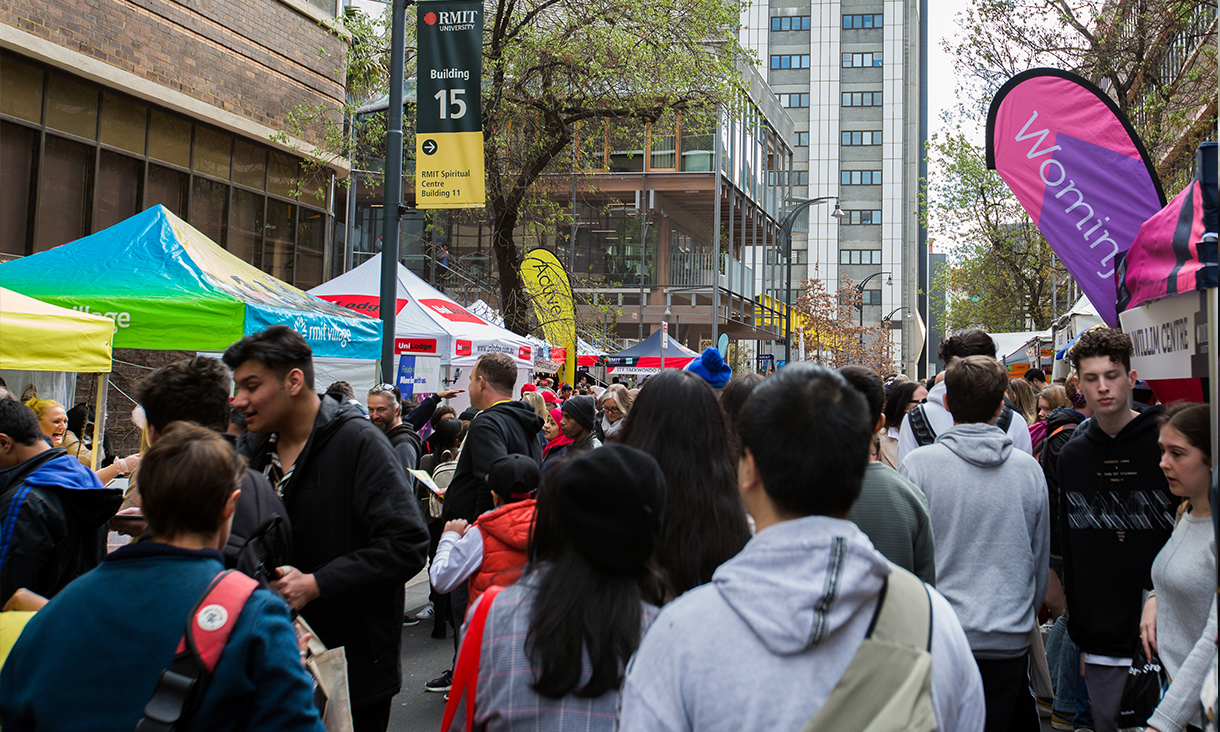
pixel 427 613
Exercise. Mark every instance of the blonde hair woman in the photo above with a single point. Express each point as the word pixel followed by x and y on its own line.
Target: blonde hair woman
pixel 53 420
pixel 1023 396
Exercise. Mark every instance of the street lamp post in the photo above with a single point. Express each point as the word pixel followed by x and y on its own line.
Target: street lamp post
pixel 890 317
pixel 885 323
pixel 860 291
pixel 786 228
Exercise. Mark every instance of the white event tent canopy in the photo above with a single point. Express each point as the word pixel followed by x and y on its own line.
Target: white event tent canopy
pixel 431 329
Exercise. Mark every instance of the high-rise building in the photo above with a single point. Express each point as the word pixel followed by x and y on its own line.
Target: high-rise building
pixel 851 74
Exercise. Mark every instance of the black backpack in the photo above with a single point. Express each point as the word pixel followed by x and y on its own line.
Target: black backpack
pixel 921 428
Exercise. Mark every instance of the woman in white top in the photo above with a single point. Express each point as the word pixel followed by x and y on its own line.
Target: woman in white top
pixel 1179 620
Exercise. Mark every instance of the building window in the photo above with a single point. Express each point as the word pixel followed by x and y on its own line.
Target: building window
pixel 801 139
pixel 860 256
pixel 797 177
pixel 860 178
pixel 125 156
pixel 799 256
pixel 861 99
pixel 862 137
pixel 860 218
pixel 862 21
pixel 790 62
pixel 794 100
pixel 861 60
pixel 870 297
pixel 790 23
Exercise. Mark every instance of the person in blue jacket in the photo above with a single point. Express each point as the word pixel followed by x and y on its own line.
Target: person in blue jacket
pixel 91 659
pixel 52 509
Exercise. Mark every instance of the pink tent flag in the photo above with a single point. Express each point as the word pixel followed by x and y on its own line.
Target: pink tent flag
pixel 1167 257
pixel 1078 169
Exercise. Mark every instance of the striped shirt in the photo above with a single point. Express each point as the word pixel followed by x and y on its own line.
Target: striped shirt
pixel 506 699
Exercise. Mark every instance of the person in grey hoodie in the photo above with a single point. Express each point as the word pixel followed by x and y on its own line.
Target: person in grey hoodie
pixel 991 519
pixel 763 645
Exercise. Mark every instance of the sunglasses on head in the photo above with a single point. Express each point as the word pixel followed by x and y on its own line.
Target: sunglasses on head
pixel 384 389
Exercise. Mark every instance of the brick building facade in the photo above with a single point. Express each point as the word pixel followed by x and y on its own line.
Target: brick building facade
pixel 108 107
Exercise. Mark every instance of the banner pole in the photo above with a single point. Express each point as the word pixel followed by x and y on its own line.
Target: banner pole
pixel 393 190
pixel 99 418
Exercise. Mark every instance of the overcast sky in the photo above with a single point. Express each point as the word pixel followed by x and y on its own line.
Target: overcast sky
pixel 941 82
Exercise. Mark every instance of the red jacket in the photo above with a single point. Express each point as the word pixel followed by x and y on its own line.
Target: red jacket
pixel 506 534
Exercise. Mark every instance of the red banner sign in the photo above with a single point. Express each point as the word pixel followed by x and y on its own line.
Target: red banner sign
pixel 414 345
pixel 369 305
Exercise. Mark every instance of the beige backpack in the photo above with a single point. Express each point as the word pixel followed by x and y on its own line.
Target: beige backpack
pixel 888 685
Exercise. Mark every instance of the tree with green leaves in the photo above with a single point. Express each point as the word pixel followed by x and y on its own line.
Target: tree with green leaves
pixel 343 133
pixel 1155 58
pixel 559 73
pixel 1001 269
pixel 561 80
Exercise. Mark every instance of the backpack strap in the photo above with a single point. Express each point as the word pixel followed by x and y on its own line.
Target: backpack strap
pixel 887 687
pixel 466 672
pixel 920 427
pixel 1005 418
pixel 1062 428
pixel 1046 443
pixel 904 611
pixel 208 627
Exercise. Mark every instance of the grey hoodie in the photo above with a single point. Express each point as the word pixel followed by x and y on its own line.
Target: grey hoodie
pixel 991 520
pixel 762 646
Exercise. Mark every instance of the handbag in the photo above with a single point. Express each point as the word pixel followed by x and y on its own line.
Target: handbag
pixel 328 667
pixel 1142 692
pixel 466 672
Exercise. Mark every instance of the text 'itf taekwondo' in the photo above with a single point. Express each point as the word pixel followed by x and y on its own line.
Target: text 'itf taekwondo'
pixel 1079 170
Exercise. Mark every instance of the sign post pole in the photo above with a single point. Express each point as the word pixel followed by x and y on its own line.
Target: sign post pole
pixel 664 343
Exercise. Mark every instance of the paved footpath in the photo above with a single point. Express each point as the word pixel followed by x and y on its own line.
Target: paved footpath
pixel 423 659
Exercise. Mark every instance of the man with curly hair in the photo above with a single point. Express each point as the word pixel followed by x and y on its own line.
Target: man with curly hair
pixel 1115 514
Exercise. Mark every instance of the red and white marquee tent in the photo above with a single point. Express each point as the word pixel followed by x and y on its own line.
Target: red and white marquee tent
pixel 428 323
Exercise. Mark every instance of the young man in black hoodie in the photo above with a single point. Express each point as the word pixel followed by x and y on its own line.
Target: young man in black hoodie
pixel 51 509
pixel 502 427
pixel 1115 513
pixel 357 532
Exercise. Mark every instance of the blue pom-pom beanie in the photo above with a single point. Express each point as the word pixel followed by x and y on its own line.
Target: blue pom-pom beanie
pixel 711 368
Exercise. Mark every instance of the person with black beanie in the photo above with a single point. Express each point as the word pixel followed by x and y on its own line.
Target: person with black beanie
pixel 585 600
pixel 579 418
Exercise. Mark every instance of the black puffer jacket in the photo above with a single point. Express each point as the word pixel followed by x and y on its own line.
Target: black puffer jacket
pixel 52 510
pixel 358 530
pixel 507 428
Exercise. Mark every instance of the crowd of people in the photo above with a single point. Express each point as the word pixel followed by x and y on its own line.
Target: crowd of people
pixel 817 549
